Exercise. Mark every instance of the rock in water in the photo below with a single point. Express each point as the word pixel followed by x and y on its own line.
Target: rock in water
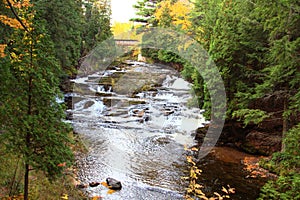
pixel 94 184
pixel 113 184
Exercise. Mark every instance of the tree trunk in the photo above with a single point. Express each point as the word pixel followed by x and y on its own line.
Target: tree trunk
pixel 26 181
pixel 285 123
pixel 27 139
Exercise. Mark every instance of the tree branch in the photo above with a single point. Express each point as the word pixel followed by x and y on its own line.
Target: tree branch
pixel 16 15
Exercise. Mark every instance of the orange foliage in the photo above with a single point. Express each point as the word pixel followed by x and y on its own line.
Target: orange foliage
pixel 19 4
pixel 2 48
pixel 96 197
pixel 12 22
pixel 62 164
pixel 104 184
pixel 252 165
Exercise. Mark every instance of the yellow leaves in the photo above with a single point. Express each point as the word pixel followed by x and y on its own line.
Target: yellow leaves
pixel 189 159
pixel 194 189
pixel 164 5
pixel 65 196
pixel 230 190
pixel 104 184
pixel 125 31
pixel 2 49
pixel 107 186
pixel 178 11
pixel 111 191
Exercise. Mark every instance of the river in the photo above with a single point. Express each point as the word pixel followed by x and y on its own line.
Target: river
pixel 135 121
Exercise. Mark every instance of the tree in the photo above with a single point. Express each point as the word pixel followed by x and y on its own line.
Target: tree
pixel 32 125
pixel 125 31
pixel 174 13
pixel 63 21
pixel 96 26
pixel 145 11
pixel 282 75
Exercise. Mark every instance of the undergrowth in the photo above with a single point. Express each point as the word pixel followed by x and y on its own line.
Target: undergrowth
pixel 12 173
pixel 286 165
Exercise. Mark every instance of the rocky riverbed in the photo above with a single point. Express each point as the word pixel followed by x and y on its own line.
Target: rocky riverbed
pixel 135 122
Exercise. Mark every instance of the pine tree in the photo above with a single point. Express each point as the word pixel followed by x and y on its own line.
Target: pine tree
pixel 32 125
pixel 145 11
pixel 96 26
pixel 64 23
pixel 282 75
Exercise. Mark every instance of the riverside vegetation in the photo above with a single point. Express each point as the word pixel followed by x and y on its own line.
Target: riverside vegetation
pixel 254 44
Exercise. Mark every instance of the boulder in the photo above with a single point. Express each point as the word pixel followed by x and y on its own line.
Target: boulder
pixel 113 184
pixel 94 184
pixel 261 143
pixel 201 133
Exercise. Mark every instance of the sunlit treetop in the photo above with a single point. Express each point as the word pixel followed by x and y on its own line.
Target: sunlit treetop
pixel 178 11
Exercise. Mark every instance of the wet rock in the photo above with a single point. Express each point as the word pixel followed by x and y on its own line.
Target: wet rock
pixel 104 94
pixel 81 186
pixel 71 100
pixel 261 143
pixel 168 111
pixel 88 104
pixel 94 184
pixel 93 77
pixel 66 85
pixel 138 113
pixel 162 140
pixel 136 101
pixel 69 116
pixel 200 133
pixel 107 80
pixel 114 184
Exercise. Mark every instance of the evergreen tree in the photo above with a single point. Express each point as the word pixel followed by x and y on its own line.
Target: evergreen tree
pixel 64 20
pixel 282 75
pixel 145 11
pixel 96 26
pixel 32 125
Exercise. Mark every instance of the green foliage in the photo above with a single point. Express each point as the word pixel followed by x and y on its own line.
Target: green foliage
pixel 11 172
pixel 11 175
pixel 287 165
pixel 63 22
pixel 96 25
pixel 145 12
pixel 281 20
pixel 32 126
pixel 284 188
pixel 250 115
pixel 31 107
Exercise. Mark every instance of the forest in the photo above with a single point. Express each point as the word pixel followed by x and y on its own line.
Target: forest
pixel 254 44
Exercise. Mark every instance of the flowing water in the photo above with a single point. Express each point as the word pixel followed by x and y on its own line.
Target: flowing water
pixel 135 122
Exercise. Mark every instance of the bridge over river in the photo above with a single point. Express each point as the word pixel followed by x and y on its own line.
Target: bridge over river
pixel 126 42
